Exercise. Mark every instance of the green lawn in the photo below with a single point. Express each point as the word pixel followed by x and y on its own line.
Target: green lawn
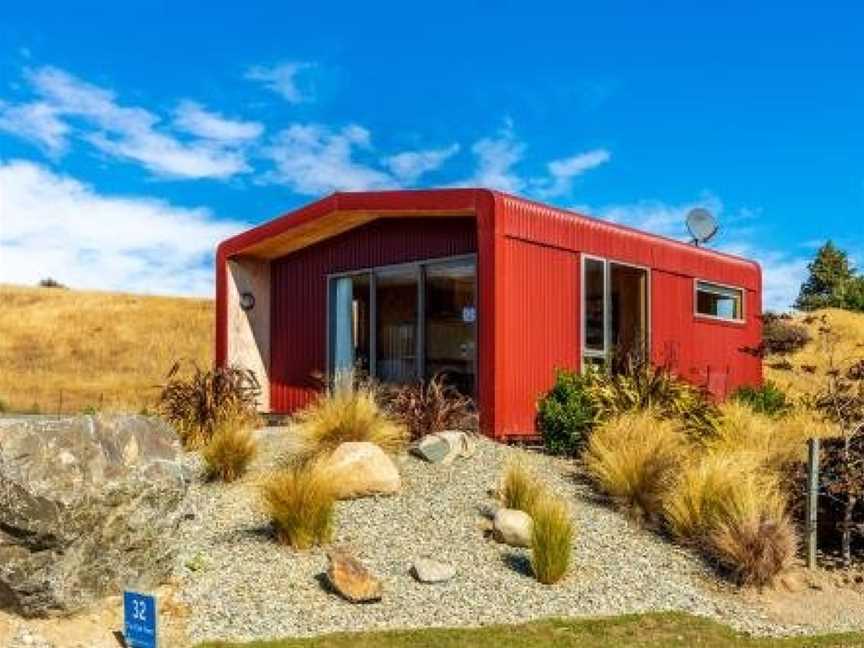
pixel 671 629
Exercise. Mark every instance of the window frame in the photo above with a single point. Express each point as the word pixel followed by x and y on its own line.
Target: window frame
pixel 717 318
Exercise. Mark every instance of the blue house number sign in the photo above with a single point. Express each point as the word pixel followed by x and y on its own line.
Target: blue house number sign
pixel 139 620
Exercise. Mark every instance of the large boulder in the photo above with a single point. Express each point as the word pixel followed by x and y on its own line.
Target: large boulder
pixel 360 469
pixel 88 505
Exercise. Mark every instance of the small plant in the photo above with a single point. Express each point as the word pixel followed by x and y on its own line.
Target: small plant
pixel 634 458
pixel 49 282
pixel 642 385
pixel 198 405
pixel 228 453
pixel 552 539
pixel 566 414
pixel 767 399
pixel 300 502
pixel 89 410
pixel 520 488
pixel 431 406
pixel 347 411
pixel 3 406
pixel 781 335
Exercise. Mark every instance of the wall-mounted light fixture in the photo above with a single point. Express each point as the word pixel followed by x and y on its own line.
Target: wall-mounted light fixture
pixel 247 301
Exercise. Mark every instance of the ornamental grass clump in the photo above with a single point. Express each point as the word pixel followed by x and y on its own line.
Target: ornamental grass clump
pixel 196 406
pixel 346 411
pixel 520 488
pixel 552 539
pixel 229 451
pixel 633 458
pixel 300 502
pixel 430 406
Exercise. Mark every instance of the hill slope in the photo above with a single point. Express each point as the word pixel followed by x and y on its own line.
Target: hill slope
pixel 94 349
pixel 803 372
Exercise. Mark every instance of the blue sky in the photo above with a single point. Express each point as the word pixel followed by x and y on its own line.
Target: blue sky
pixel 133 137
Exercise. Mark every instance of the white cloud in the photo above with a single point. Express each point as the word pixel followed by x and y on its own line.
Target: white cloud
pixel 408 166
pixel 563 171
pixel 54 225
pixel 194 118
pixel 782 272
pixel 124 132
pixel 37 121
pixel 496 157
pixel 312 159
pixel 283 80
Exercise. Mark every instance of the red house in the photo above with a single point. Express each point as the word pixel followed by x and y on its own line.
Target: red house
pixel 494 290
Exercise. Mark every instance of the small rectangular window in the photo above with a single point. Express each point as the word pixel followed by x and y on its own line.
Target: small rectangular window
pixel 721 302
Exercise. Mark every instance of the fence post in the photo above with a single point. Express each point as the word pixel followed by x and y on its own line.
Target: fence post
pixel 812 499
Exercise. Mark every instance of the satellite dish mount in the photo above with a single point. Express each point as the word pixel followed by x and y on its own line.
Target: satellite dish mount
pixel 701 225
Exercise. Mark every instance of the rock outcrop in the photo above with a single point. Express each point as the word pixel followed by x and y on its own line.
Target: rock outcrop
pixel 88 506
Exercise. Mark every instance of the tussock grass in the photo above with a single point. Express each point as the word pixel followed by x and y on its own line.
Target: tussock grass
pixel 346 412
pixel 633 459
pixel 229 452
pixel 520 487
pixel 300 502
pixel 552 538
pixel 105 351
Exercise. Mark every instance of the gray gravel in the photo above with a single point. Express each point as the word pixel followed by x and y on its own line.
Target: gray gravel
pixel 241 585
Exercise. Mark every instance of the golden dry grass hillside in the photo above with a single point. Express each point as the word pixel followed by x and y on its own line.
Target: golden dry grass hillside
pixel 840 345
pixel 94 349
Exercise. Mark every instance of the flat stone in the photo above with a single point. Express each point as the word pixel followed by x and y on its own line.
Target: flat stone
pixel 351 579
pixel 427 570
pixel 432 448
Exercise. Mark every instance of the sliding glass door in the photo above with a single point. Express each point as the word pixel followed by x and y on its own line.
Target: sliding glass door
pixel 406 322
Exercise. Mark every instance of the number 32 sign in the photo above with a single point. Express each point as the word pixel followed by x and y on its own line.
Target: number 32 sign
pixel 139 620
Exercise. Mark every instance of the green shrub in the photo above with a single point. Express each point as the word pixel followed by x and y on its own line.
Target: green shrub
pixel 768 399
pixel 300 502
pixel 566 414
pixel 551 540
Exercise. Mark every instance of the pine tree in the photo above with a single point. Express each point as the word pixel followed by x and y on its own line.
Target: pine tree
pixel 830 278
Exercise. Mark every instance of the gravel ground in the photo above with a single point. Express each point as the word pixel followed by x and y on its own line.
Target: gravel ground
pixel 241 585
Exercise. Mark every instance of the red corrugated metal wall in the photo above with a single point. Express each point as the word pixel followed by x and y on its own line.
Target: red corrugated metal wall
pixel 540 315
pixel 540 307
pixel 299 290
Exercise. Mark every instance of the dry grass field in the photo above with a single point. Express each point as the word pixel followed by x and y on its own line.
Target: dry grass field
pixel 67 350
pixel 841 348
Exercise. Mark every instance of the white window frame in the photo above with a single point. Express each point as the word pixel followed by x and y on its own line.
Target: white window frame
pixel 607 306
pixel 717 318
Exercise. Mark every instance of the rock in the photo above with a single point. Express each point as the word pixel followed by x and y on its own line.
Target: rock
pixel 432 448
pixel 513 527
pixel 350 578
pixel 361 469
pixel 426 570
pixel 444 447
pixel 88 505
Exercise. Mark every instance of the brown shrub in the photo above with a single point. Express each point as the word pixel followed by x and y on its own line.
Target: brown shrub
pixel 430 406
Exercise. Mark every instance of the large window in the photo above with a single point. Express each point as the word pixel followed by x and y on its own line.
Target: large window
pixel 721 302
pixel 403 322
pixel 614 312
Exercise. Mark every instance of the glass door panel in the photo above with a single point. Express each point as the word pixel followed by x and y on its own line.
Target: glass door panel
pixel 628 294
pixel 594 304
pixel 350 315
pixel 396 299
pixel 450 323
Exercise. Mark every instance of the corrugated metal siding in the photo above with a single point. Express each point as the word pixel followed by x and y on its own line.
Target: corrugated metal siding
pixel 540 264
pixel 299 290
pixel 540 332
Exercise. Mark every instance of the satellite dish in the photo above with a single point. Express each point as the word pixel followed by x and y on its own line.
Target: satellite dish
pixel 702 225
